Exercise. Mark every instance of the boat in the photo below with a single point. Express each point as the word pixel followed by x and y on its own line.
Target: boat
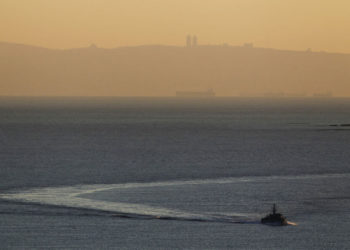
pixel 274 219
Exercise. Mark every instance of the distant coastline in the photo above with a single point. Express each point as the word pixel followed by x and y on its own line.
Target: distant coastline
pixel 157 70
pixel 203 46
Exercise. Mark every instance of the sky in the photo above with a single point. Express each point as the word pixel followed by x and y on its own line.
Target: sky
pixel 322 25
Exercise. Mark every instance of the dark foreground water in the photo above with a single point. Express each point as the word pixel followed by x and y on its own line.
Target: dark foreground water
pixel 161 173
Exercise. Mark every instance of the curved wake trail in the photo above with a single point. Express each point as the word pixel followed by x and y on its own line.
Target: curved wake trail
pixel 73 197
pixel 70 197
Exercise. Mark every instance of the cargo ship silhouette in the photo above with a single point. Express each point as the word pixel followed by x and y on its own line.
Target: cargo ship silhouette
pixel 208 93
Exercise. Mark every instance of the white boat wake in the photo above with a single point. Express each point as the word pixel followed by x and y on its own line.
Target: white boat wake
pixel 73 197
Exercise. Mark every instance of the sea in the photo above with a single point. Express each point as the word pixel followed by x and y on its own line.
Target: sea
pixel 173 173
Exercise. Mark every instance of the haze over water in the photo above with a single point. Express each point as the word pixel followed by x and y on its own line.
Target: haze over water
pixel 100 149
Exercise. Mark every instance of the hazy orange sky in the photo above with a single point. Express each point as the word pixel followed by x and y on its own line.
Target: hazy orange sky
pixel 282 24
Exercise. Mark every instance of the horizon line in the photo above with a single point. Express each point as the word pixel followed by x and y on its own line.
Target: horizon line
pixel 177 97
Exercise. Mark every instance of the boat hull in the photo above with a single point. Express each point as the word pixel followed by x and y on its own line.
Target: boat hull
pixel 276 223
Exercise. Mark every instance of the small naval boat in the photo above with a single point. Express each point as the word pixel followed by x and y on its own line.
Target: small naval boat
pixel 274 219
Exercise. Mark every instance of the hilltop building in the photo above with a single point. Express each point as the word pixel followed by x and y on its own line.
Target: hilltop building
pixel 248 45
pixel 194 41
pixel 188 41
pixel 191 41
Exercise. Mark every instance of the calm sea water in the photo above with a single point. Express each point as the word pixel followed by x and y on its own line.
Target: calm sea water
pixel 163 173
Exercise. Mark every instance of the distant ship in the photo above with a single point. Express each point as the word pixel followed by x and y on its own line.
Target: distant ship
pixel 282 94
pixel 274 94
pixel 208 93
pixel 274 219
pixel 323 95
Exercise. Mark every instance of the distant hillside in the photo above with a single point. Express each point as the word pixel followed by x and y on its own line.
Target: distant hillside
pixel 163 70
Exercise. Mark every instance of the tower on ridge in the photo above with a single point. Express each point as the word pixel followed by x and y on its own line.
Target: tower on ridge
pixel 188 41
pixel 194 41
